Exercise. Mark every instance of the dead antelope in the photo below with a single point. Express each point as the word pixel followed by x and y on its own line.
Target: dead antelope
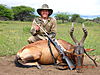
pixel 39 53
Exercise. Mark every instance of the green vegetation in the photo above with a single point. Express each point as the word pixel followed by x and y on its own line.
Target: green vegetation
pixel 62 16
pixel 97 20
pixel 23 13
pixel 26 13
pixel 74 17
pixel 19 13
pixel 14 35
pixel 5 13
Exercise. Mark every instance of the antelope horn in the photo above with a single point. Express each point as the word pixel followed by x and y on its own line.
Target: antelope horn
pixel 85 34
pixel 71 33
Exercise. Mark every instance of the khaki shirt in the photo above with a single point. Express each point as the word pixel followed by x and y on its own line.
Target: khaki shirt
pixel 49 26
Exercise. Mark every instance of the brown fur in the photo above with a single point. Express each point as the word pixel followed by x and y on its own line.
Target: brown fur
pixel 39 51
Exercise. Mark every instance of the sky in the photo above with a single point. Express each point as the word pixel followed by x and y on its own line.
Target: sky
pixel 82 7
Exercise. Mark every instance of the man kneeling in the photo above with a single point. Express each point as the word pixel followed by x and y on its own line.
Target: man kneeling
pixel 47 23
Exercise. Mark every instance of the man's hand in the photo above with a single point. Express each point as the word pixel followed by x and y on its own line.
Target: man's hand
pixel 37 28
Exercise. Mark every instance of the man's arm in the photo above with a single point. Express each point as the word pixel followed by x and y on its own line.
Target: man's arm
pixel 53 28
pixel 34 29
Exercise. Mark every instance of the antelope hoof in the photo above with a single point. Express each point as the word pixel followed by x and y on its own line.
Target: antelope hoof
pixel 78 70
pixel 39 67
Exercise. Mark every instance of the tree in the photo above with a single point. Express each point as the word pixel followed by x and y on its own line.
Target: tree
pixel 23 13
pixel 97 19
pixel 62 16
pixel 74 17
pixel 79 20
pixel 5 13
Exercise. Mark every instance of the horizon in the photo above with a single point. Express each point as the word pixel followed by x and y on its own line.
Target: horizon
pixel 90 8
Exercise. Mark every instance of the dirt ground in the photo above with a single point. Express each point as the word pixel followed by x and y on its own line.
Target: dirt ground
pixel 7 67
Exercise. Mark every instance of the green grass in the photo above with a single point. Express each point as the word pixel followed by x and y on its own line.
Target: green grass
pixel 14 35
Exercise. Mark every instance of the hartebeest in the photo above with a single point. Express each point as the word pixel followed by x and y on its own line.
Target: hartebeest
pixel 39 53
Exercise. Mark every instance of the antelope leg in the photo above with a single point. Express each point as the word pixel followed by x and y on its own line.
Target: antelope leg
pixel 34 64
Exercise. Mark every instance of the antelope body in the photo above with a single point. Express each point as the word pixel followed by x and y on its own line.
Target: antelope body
pixel 39 51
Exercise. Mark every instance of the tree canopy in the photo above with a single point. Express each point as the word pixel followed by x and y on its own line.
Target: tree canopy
pixel 26 13
pixel 62 16
pixel 74 17
pixel 23 12
pixel 97 19
pixel 5 13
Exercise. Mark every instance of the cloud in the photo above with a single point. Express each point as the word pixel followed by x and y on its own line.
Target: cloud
pixel 87 7
pixel 84 7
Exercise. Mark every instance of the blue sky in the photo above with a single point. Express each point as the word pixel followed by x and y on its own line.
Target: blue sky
pixel 82 7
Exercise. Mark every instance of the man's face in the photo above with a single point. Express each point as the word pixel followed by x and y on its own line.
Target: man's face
pixel 44 13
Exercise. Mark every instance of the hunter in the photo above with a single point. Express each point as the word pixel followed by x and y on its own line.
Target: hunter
pixel 48 23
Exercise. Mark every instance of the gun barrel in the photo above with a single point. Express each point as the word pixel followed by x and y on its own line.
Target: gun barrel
pixel 70 64
pixel 68 61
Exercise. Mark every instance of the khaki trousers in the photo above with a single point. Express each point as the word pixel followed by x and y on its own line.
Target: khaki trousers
pixel 33 39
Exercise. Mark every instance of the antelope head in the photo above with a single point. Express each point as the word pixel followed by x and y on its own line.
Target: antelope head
pixel 79 46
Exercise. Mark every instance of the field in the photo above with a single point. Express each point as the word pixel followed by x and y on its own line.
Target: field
pixel 14 35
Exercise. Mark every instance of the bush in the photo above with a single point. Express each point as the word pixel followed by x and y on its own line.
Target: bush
pixel 90 23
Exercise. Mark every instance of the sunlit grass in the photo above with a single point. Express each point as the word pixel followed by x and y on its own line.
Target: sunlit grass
pixel 14 35
pixel 92 40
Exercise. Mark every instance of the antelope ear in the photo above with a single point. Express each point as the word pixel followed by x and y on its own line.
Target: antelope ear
pixel 88 50
pixel 70 50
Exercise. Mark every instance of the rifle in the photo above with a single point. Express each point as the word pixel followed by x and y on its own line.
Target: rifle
pixel 60 49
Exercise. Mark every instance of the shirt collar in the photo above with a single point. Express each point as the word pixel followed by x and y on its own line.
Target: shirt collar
pixel 49 18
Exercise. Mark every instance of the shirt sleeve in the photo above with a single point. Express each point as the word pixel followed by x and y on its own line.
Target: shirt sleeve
pixel 54 26
pixel 33 30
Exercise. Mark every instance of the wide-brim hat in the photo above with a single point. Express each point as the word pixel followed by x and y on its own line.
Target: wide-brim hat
pixel 45 7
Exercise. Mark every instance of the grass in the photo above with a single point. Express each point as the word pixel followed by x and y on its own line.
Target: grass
pixel 14 35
